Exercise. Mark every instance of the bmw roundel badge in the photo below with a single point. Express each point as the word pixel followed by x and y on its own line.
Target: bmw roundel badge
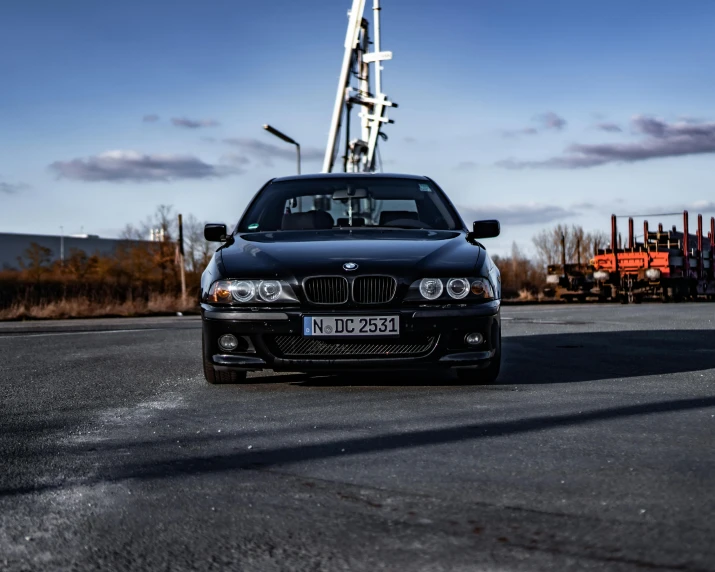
pixel 349 266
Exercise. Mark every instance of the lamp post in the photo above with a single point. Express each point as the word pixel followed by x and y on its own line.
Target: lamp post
pixel 285 138
pixel 62 246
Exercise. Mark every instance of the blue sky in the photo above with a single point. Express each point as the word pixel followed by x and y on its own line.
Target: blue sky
pixel 533 112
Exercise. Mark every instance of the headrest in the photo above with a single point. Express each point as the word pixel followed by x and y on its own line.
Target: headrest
pixel 311 220
pixel 389 216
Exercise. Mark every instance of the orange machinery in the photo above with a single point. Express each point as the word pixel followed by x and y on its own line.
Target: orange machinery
pixel 669 265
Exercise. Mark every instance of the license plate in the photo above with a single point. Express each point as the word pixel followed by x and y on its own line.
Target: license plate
pixel 351 326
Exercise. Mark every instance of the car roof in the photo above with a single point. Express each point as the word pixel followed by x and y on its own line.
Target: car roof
pixel 351 175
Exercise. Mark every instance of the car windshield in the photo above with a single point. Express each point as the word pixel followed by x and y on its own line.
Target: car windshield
pixel 327 203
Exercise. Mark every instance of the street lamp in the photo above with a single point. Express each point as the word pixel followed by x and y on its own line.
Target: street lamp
pixel 285 138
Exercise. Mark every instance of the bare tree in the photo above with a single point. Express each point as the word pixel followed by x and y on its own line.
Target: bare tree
pixel 166 220
pixel 518 273
pixel 548 244
pixel 36 261
pixel 131 232
pixel 596 240
pixel 580 245
pixel 79 264
pixel 198 250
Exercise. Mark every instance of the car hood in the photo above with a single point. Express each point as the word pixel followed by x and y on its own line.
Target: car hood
pixel 309 253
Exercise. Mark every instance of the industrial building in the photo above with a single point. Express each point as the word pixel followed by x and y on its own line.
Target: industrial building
pixel 13 246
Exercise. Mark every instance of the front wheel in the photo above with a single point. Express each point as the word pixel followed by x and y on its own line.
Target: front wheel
pixel 487 375
pixel 216 377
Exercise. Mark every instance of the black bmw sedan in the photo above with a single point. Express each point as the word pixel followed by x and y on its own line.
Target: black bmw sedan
pixel 345 272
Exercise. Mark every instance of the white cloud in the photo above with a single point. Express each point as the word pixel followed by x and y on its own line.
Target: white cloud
pixel 12 188
pixel 266 152
pixel 519 214
pixel 660 140
pixel 123 166
pixel 193 123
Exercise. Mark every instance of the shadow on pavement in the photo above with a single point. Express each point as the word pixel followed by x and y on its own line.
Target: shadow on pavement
pixel 592 356
pixel 281 456
pixel 538 359
pixel 555 358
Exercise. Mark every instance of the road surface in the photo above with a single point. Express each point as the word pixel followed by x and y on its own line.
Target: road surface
pixel 595 451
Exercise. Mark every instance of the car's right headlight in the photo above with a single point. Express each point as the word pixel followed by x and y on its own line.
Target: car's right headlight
pixel 251 291
pixel 459 288
pixel 481 288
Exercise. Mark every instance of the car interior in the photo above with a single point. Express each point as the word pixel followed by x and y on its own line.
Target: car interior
pixel 310 206
pixel 323 220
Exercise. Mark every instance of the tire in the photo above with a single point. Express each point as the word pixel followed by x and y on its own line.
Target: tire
pixel 486 376
pixel 217 377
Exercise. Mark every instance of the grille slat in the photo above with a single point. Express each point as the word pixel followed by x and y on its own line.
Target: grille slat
pixel 331 290
pixel 374 289
pixel 298 346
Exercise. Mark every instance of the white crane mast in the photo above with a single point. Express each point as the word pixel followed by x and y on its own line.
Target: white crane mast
pixel 358 60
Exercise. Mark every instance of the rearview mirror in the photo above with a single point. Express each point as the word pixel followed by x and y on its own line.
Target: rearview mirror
pixel 345 194
pixel 215 232
pixel 485 229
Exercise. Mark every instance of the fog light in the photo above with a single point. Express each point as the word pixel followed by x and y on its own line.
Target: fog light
pixel 228 342
pixel 474 339
pixel 652 274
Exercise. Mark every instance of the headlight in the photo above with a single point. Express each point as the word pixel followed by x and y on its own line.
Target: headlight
pixel 601 275
pixel 270 290
pixel 553 279
pixel 245 291
pixel 451 289
pixel 221 292
pixel 482 289
pixel 652 274
pixel 458 288
pixel 431 288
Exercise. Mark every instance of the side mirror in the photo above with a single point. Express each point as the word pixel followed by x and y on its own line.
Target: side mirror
pixel 485 229
pixel 215 232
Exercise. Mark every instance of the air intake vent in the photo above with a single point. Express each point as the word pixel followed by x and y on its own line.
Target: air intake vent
pixel 326 290
pixel 298 346
pixel 374 289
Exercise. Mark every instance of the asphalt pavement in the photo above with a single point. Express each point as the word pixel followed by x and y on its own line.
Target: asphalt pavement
pixel 595 451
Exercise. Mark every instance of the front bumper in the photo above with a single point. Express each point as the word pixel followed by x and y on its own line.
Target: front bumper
pixel 437 331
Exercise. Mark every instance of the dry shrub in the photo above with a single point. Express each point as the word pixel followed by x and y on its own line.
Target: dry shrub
pixel 526 295
pixel 139 278
pixel 167 303
pixel 521 278
pixel 86 308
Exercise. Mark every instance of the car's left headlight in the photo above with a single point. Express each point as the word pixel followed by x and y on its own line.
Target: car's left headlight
pixel 251 291
pixel 451 289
